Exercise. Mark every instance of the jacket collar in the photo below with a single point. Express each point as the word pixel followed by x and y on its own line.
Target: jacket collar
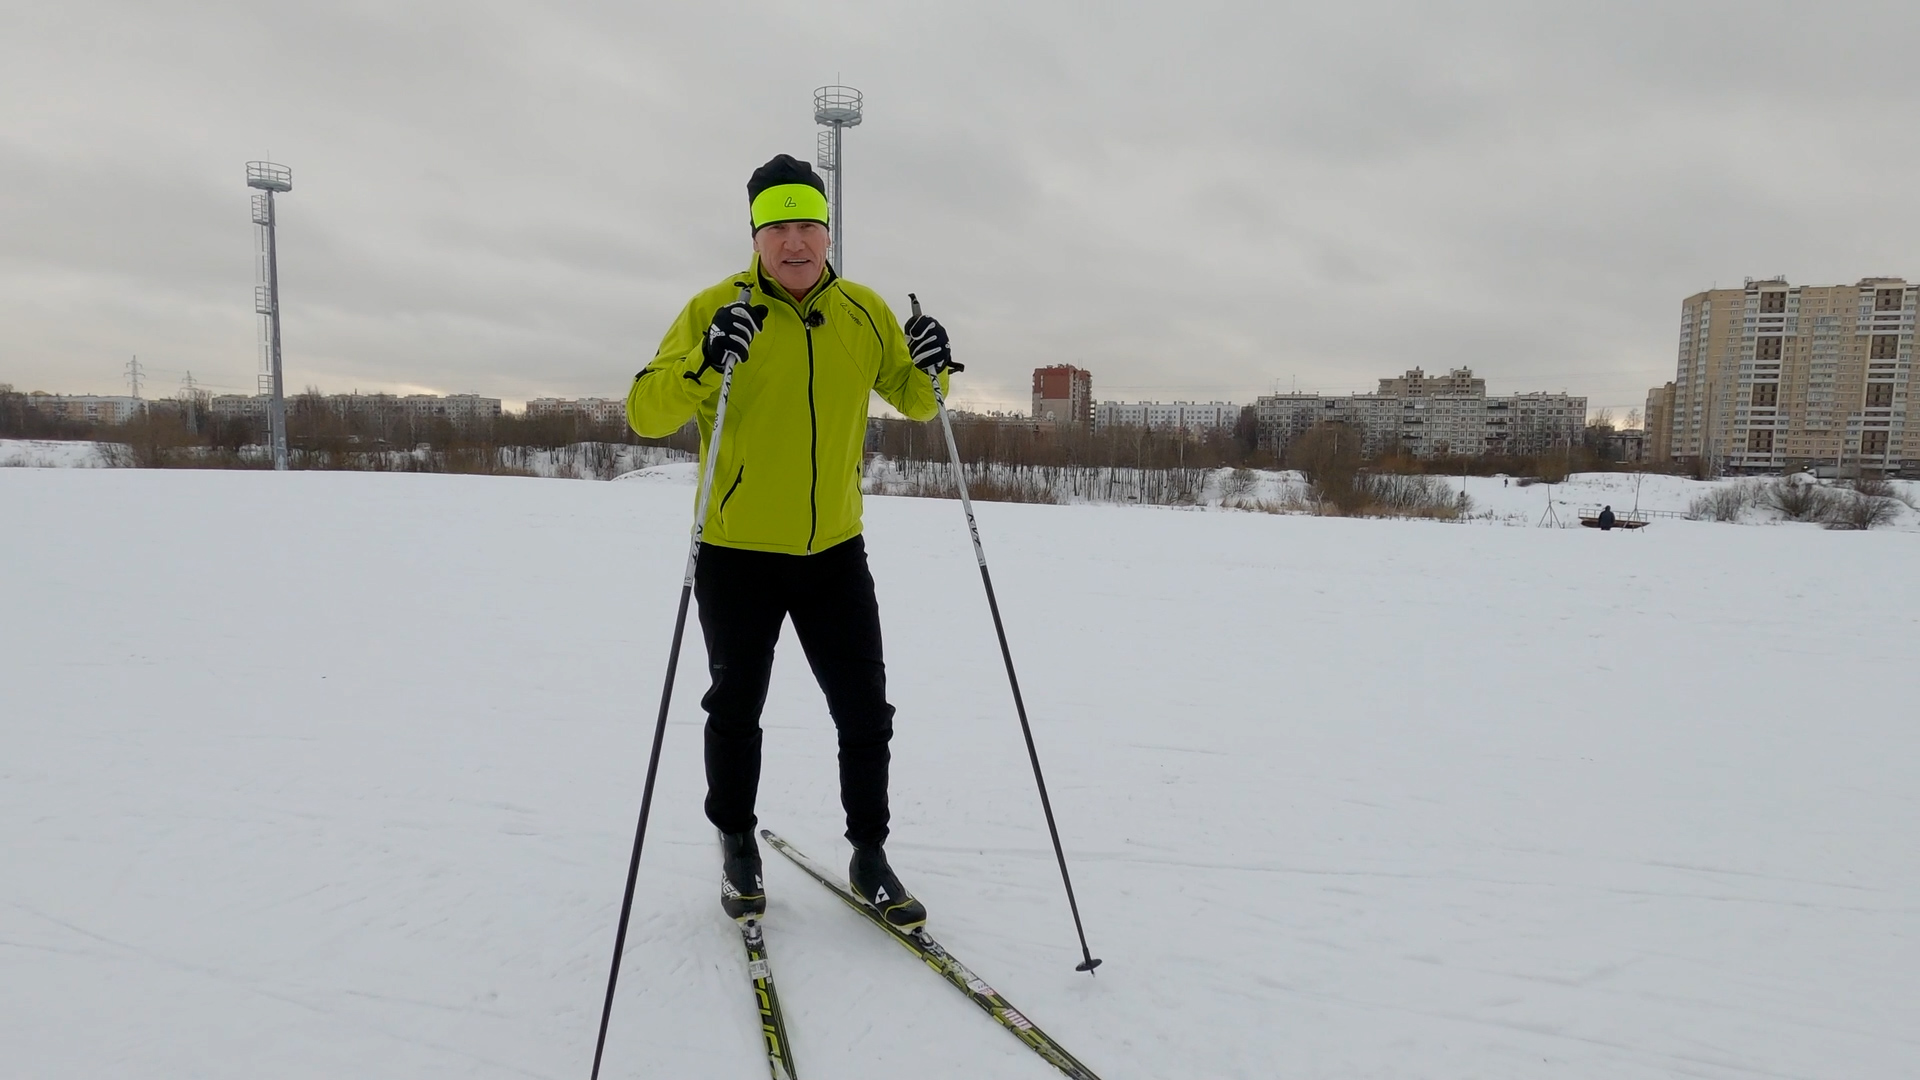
pixel 770 287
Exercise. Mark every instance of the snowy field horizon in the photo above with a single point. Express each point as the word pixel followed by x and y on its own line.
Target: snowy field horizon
pixel 316 775
pixel 1498 499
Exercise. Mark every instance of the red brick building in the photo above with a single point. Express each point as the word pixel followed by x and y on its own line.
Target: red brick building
pixel 1063 394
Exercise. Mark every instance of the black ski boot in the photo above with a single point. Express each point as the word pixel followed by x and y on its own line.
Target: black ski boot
pixel 873 879
pixel 741 894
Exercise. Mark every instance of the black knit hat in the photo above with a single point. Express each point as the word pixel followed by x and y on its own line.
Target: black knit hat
pixel 783 169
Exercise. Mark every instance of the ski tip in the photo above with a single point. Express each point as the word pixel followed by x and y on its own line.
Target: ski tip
pixel 1088 965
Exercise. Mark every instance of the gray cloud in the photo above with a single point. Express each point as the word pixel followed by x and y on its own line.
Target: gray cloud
pixel 1196 200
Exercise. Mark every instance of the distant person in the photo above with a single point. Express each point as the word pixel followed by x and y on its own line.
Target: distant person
pixel 783 532
pixel 1606 518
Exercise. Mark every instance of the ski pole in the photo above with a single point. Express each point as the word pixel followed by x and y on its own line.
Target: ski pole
pixel 666 691
pixel 1088 962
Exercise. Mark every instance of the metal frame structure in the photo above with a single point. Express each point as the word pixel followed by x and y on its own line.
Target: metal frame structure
pixel 269 179
pixel 836 108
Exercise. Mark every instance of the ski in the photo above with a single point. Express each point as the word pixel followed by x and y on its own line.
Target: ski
pixel 773 1026
pixel 935 956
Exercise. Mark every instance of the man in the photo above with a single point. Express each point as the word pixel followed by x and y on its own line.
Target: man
pixel 782 533
pixel 1606 518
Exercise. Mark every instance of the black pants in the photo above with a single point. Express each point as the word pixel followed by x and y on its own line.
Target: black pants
pixel 744 597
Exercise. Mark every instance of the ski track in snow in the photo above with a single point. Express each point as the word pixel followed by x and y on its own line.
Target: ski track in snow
pixel 325 775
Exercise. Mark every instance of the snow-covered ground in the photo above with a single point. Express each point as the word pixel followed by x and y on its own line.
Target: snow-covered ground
pixel 334 775
pixel 61 454
pixel 579 461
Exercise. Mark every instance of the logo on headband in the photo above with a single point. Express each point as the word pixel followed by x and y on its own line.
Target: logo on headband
pixel 791 203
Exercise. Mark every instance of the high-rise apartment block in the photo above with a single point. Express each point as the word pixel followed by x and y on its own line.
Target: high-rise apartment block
pixel 1774 375
pixel 1063 394
pixel 1425 416
pixel 1657 422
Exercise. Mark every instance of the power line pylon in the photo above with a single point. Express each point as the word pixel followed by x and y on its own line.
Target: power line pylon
pixel 191 395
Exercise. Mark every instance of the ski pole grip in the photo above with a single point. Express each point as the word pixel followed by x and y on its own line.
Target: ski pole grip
pixel 914 299
pixel 745 297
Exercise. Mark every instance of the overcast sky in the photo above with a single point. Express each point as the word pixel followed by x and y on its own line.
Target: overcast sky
pixel 1195 200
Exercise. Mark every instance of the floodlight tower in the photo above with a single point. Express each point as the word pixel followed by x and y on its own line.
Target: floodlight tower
pixel 836 108
pixel 268 178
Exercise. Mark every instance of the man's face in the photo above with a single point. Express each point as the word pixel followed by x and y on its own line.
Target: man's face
pixel 794 252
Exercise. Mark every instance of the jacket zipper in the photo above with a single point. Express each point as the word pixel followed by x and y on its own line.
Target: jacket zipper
pixel 813 432
pixel 739 476
pixel 813 417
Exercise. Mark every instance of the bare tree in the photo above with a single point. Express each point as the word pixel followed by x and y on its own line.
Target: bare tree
pixel 1856 510
pixel 1725 502
pixel 1798 500
pixel 1873 484
pixel 1236 486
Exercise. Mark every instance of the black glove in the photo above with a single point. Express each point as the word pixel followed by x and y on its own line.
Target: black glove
pixel 731 332
pixel 927 343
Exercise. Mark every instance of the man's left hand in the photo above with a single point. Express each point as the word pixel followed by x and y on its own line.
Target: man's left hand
pixel 927 342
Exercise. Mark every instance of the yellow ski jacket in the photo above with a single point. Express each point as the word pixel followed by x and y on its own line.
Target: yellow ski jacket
pixel 788 478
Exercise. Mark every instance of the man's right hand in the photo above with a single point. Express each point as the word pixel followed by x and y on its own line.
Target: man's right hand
pixel 730 333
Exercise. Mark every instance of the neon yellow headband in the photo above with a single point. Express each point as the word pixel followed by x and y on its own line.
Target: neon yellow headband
pixel 789 202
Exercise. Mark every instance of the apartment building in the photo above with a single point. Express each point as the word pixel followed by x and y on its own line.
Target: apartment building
pixel 461 410
pixel 1427 416
pixel 1063 394
pixel 1194 418
pixel 1535 422
pixel 1774 375
pixel 465 410
pixel 1416 383
pixel 238 406
pixel 86 408
pixel 1658 423
pixel 593 409
pixel 1618 444
pixel 1282 418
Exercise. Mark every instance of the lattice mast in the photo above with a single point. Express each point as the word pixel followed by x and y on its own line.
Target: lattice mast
pixel 836 108
pixel 268 180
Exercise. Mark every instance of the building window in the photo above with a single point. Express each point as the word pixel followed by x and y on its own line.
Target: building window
pixel 1873 443
pixel 1766 348
pixel 1885 347
pixel 1888 299
pixel 1759 442
pixel 1766 395
pixel 1773 303
pixel 1879 395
